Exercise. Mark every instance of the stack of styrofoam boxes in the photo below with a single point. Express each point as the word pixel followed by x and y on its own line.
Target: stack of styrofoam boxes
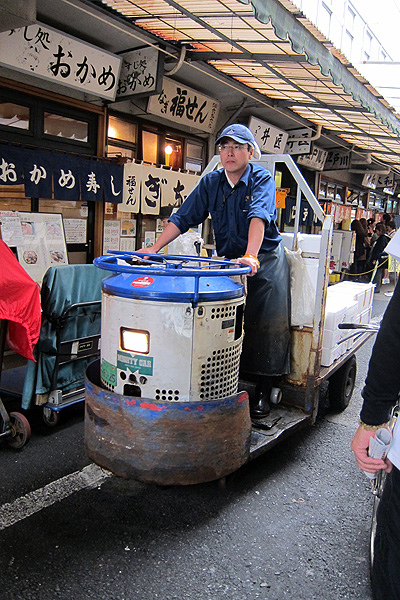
pixel 346 302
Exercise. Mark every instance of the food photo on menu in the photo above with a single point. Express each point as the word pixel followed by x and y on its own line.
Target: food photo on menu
pixel 53 230
pixel 57 257
pixel 27 228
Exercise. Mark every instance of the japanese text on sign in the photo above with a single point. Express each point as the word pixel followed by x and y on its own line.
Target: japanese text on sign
pixel 270 139
pixel 315 160
pixel 184 105
pixel 43 51
pixel 337 160
pixel 298 141
pixel 139 72
pixel 64 177
pixel 147 187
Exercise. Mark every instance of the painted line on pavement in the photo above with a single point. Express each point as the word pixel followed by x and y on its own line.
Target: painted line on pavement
pixel 12 512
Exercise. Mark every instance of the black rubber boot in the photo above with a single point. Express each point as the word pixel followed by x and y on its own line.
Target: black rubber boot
pixel 259 405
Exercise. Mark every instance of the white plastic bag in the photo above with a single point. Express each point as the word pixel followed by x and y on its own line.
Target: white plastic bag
pixel 302 291
pixel 185 244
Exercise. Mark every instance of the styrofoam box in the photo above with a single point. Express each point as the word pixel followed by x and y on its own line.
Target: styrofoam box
pixel 338 308
pixel 343 348
pixel 352 312
pixel 334 314
pixel 329 355
pixel 331 338
pixel 309 243
pixel 365 316
pixel 363 293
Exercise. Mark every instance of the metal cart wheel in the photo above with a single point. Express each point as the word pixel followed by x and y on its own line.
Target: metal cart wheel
pixel 51 417
pixel 341 385
pixel 20 430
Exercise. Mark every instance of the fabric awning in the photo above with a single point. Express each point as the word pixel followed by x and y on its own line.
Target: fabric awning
pixel 270 47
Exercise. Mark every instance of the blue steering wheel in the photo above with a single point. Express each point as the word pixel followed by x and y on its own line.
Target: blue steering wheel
pixel 164 264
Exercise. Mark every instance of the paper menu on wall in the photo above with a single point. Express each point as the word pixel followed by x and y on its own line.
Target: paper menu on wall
pixel 75 231
pixel 39 239
pixel 11 230
pixel 111 236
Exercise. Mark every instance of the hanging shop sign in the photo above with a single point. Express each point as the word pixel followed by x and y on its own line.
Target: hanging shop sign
pixel 141 73
pixel 386 182
pixel 361 213
pixel 270 139
pixel 181 104
pixel 377 180
pixel 297 142
pixel 369 180
pixel 341 212
pixel 52 55
pixel 315 160
pixel 337 160
pixel 147 188
pixel 62 176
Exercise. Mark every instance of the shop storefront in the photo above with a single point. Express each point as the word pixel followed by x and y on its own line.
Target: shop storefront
pixel 48 150
pixel 162 165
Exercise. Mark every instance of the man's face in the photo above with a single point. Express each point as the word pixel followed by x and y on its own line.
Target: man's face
pixel 234 157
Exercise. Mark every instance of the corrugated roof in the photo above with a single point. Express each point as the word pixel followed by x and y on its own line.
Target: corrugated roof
pixel 269 46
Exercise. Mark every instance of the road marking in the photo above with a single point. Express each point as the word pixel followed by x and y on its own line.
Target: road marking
pixel 12 512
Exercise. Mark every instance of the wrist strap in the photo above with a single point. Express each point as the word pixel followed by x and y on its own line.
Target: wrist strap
pixel 371 427
pixel 253 256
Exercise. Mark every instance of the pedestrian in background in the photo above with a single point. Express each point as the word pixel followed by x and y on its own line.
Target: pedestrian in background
pixel 360 252
pixel 378 256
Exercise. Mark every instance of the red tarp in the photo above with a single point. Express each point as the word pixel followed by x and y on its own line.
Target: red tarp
pixel 19 304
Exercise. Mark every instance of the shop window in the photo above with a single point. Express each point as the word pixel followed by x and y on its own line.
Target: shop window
pixel 331 192
pixel 14 115
pixel 173 153
pixel 65 127
pixel 120 151
pixel 150 146
pixel 122 130
pixel 194 157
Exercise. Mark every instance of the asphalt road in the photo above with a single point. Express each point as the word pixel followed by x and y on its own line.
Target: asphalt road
pixel 293 523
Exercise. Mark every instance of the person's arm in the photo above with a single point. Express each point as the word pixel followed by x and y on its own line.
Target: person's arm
pixel 382 386
pixel 170 233
pixel 254 241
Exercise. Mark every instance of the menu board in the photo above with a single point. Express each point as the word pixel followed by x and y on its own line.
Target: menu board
pixel 39 239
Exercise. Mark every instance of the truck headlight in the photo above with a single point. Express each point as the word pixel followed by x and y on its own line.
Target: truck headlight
pixel 134 340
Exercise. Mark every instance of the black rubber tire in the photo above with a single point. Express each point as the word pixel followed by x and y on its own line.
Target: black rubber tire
pixel 341 385
pixel 21 431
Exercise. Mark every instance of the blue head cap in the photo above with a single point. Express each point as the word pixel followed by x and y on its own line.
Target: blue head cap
pixel 242 135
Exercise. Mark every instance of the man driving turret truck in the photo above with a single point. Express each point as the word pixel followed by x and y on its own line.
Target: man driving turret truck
pixel 240 198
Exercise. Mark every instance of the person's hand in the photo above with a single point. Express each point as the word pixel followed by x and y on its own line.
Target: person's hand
pixel 250 261
pixel 360 445
pixel 149 250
